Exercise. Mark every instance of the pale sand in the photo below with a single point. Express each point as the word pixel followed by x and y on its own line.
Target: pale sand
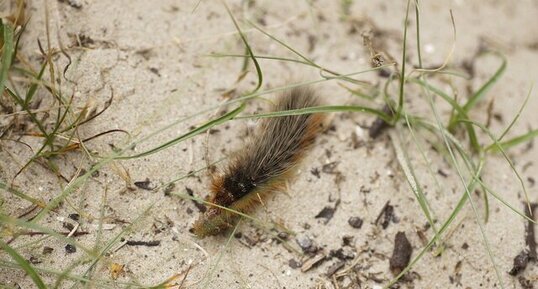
pixel 153 55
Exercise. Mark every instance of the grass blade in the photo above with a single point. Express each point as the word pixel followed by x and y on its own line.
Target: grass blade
pixel 402 72
pixel 249 50
pixel 478 95
pixel 21 195
pixel 319 109
pixel 24 265
pixel 7 53
pixel 496 147
pixel 190 134
pixel 481 92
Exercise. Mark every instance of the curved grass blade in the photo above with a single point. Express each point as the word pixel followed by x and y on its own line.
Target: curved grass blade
pixel 267 57
pixel 306 60
pixel 507 158
pixel 478 95
pixel 470 187
pixel 467 191
pixel 434 240
pixel 249 50
pixel 481 92
pixel 495 146
pixel 473 140
pixel 454 160
pixel 249 96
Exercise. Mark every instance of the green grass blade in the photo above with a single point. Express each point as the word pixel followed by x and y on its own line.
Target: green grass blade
pixel 402 72
pixel 47 231
pixel 219 257
pixel 481 92
pixel 467 191
pixel 320 109
pixel 508 160
pixel 306 60
pixel 405 164
pixel 267 57
pixel 496 147
pixel 523 105
pixel 249 50
pixel 7 54
pixel 417 18
pixel 4 186
pixel 32 115
pixel 33 88
pixel 430 244
pixel 190 134
pixel 24 265
pixel 460 111
pixel 372 93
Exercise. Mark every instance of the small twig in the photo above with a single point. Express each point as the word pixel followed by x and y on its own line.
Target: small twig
pixel 75 234
pixel 530 240
pixel 73 231
pixel 388 214
pixel 143 243
pixel 28 211
pixel 528 254
pixel 184 277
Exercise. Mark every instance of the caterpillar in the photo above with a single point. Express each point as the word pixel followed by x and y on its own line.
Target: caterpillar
pixel 264 165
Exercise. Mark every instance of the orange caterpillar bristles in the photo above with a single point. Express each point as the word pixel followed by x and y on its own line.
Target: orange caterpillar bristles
pixel 264 165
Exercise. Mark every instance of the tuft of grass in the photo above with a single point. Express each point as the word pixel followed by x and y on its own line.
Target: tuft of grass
pixel 478 153
pixel 56 128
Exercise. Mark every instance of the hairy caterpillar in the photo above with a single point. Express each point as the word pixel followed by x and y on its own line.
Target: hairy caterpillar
pixel 263 166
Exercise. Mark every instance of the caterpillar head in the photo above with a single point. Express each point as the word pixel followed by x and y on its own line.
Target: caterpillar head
pixel 213 222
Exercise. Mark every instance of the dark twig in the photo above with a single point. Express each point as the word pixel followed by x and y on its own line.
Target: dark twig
pixel 143 243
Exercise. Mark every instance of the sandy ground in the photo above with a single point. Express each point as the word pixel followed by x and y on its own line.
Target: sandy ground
pixel 153 56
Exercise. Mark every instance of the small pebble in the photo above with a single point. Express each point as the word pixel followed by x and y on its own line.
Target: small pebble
pixel 306 243
pixel 70 248
pixel 344 253
pixel 294 264
pixel 355 222
pixel 74 217
pixel 283 235
pixel 47 250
